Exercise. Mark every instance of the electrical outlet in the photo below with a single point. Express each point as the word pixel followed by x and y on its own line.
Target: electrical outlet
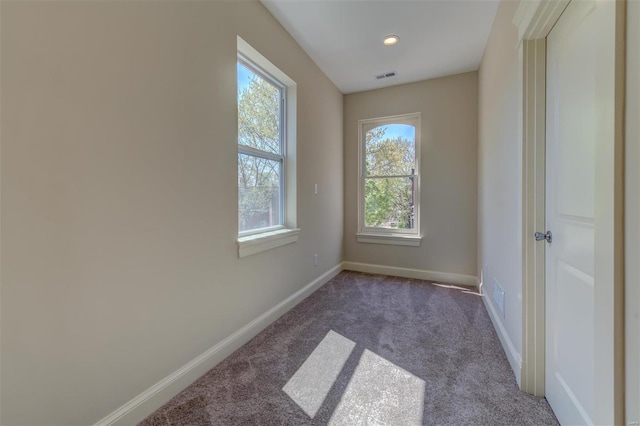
pixel 315 188
pixel 315 260
pixel 498 296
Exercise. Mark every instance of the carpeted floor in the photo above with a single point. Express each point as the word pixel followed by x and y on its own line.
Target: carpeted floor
pixel 434 344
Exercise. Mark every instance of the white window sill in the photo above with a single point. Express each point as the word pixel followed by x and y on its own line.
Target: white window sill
pixel 252 244
pixel 392 239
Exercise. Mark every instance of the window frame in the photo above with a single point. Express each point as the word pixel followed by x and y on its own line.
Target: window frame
pixel 258 240
pixel 377 235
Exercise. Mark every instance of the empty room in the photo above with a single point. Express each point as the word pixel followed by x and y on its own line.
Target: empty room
pixel 319 212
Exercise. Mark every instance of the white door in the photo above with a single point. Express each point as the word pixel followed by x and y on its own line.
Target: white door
pixel 579 197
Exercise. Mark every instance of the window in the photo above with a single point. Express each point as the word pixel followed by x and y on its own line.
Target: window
pixel 389 190
pixel 266 163
pixel 260 149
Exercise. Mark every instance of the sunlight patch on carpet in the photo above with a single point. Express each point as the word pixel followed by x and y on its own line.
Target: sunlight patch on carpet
pixel 467 290
pixel 309 386
pixel 380 393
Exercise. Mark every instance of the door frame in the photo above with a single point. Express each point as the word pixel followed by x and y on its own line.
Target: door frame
pixel 534 20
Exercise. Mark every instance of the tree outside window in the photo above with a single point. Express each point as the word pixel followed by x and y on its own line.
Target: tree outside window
pixel 389 175
pixel 260 150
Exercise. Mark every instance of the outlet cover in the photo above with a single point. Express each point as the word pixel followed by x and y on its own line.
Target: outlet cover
pixel 498 296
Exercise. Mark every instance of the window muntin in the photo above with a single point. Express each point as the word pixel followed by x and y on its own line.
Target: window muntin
pixel 261 150
pixel 389 175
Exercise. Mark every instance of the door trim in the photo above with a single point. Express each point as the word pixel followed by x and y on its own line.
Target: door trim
pixel 619 397
pixel 533 253
pixel 534 20
pixel 632 216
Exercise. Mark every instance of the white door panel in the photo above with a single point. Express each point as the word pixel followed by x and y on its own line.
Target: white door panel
pixel 580 95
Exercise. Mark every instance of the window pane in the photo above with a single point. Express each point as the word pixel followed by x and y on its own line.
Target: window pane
pixel 390 150
pixel 258 112
pixel 389 203
pixel 258 192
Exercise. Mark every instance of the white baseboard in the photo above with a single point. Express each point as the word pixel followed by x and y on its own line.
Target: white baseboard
pixel 421 274
pixel 153 398
pixel 515 359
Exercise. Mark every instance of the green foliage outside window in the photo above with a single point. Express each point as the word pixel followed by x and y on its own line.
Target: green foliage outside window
pixel 389 181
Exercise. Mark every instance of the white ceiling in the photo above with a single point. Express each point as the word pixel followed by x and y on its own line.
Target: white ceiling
pixel 344 37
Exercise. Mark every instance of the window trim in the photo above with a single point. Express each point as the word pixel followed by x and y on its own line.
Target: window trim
pixel 258 240
pixel 365 234
pixel 390 239
pixel 256 243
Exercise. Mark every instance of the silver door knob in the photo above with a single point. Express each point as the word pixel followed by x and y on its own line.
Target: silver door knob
pixel 540 236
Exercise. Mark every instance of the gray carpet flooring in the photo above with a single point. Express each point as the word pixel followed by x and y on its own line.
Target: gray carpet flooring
pixel 441 335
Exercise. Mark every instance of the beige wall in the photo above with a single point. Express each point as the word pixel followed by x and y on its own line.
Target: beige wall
pixel 119 216
pixel 448 166
pixel 632 202
pixel 500 175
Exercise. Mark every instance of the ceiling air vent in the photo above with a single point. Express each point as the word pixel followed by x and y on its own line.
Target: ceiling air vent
pixel 386 75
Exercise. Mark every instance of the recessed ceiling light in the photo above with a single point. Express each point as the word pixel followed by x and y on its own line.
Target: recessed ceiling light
pixel 390 40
